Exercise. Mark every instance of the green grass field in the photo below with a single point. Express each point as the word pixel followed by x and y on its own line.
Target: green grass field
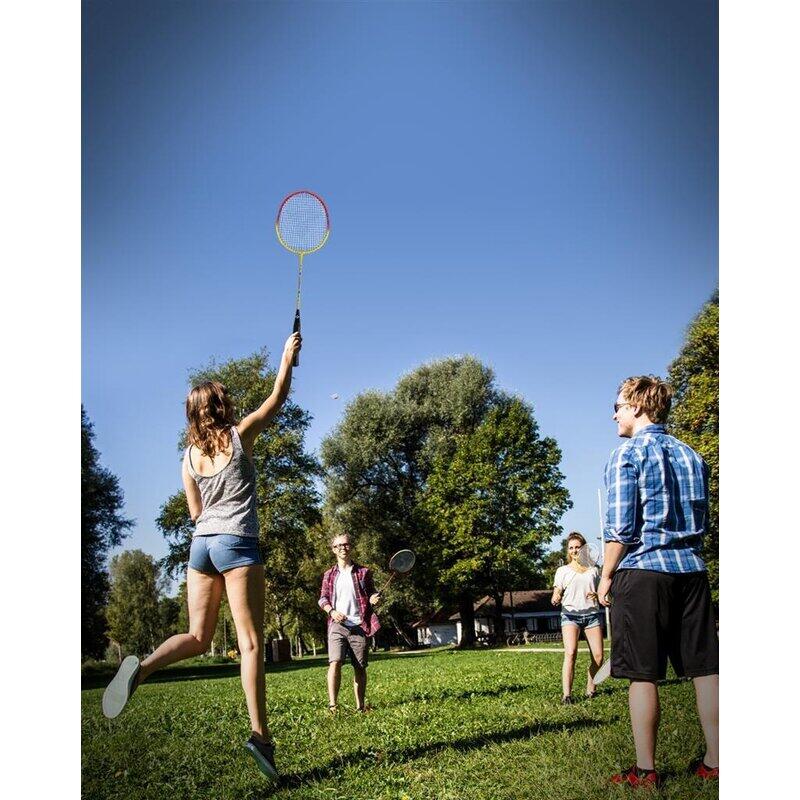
pixel 445 725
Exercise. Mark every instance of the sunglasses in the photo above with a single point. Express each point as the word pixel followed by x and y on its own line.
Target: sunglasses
pixel 618 406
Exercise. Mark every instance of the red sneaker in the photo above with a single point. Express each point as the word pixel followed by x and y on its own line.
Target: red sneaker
pixel 706 773
pixel 638 777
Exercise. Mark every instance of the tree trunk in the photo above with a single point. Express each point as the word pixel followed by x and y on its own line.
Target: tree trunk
pixel 466 611
pixel 499 628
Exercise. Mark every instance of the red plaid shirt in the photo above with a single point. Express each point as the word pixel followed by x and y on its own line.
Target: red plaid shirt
pixel 365 588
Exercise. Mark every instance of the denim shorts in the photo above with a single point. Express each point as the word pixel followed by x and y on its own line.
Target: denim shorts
pixel 588 619
pixel 218 552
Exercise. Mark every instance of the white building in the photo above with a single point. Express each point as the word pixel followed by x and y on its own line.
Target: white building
pixel 528 610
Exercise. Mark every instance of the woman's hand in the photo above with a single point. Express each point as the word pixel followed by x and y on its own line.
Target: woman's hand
pixel 556 598
pixel 337 616
pixel 375 600
pixel 293 345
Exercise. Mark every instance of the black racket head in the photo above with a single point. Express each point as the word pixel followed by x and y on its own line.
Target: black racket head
pixel 402 561
pixel 589 555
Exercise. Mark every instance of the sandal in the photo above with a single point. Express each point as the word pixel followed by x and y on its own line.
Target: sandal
pixel 333 708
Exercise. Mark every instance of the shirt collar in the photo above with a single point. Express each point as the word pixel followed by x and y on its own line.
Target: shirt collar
pixel 654 428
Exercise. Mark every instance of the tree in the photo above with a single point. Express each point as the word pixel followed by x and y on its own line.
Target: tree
pixel 495 504
pixel 102 527
pixel 287 497
pixel 694 376
pixel 134 619
pixel 393 470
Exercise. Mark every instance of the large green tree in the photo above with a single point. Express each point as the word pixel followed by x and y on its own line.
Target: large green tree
pixel 694 376
pixel 102 527
pixel 287 497
pixel 133 612
pixel 392 469
pixel 495 504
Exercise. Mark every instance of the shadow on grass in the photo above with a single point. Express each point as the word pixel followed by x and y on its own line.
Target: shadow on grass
pixel 466 694
pixel 100 678
pixel 199 672
pixel 410 753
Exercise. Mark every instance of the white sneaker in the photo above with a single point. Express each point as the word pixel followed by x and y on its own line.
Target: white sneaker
pixel 119 691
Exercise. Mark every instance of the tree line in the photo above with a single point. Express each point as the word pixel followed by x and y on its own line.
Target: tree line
pixel 445 464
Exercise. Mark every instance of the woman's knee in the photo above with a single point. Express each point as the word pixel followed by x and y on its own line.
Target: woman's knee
pixel 249 643
pixel 202 641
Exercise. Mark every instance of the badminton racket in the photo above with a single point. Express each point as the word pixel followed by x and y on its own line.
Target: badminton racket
pixel 401 562
pixel 303 227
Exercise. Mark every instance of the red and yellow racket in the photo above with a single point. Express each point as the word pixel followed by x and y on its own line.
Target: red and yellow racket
pixel 303 227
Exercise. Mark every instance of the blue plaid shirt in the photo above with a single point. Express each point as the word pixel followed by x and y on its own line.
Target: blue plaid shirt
pixel 657 490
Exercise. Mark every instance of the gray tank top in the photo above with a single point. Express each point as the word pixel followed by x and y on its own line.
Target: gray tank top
pixel 229 497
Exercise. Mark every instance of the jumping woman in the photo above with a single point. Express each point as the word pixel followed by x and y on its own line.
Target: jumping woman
pixel 576 590
pixel 220 482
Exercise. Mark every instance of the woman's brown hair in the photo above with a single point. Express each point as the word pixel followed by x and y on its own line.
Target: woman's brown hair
pixel 576 535
pixel 210 413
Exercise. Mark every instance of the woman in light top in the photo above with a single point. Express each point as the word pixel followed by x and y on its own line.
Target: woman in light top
pixel 220 482
pixel 575 589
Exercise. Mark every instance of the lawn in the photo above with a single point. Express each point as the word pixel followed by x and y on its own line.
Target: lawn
pixel 445 725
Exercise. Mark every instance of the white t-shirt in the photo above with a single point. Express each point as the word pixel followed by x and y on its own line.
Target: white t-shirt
pixel 575 586
pixel 344 596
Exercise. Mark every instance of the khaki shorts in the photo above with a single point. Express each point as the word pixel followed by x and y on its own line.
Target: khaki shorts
pixel 343 640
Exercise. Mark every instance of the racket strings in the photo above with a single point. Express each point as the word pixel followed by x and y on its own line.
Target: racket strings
pixel 302 222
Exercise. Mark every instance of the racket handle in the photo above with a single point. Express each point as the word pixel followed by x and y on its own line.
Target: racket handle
pixel 385 585
pixel 296 329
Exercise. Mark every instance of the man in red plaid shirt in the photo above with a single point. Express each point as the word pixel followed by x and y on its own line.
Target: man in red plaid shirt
pixel 348 597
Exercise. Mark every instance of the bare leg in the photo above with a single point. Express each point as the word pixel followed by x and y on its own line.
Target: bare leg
pixel 645 715
pixel 594 636
pixel 707 691
pixel 569 633
pixel 204 593
pixel 334 681
pixel 245 589
pixel 360 685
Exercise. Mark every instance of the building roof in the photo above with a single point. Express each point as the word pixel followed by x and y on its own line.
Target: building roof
pixel 518 602
pixel 528 601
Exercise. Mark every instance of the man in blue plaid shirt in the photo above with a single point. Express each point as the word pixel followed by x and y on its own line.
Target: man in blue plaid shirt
pixel 654 577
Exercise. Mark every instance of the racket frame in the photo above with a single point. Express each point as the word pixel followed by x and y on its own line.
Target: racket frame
pixel 300 253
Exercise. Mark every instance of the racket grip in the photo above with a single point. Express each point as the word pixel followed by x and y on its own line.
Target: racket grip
pixel 296 329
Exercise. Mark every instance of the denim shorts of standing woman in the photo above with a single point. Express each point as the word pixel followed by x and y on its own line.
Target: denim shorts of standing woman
pixel 220 483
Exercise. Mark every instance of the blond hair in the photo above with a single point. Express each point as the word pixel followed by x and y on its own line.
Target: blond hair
pixel 209 410
pixel 650 394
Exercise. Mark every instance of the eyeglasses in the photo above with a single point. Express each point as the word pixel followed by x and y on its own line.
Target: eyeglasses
pixel 618 406
pixel 337 546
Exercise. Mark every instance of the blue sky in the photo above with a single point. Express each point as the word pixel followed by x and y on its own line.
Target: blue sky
pixel 532 183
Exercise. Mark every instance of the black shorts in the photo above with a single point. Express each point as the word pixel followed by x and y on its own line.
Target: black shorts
pixel 660 615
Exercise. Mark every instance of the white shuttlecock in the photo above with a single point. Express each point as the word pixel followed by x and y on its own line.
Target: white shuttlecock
pixel 334 396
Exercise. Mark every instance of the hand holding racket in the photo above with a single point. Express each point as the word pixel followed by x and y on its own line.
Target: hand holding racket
pixel 293 345
pixel 302 226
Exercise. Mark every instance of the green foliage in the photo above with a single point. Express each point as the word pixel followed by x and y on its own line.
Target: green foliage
pixel 450 467
pixel 133 613
pixel 496 502
pixel 694 375
pixel 446 725
pixel 102 527
pixel 287 497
